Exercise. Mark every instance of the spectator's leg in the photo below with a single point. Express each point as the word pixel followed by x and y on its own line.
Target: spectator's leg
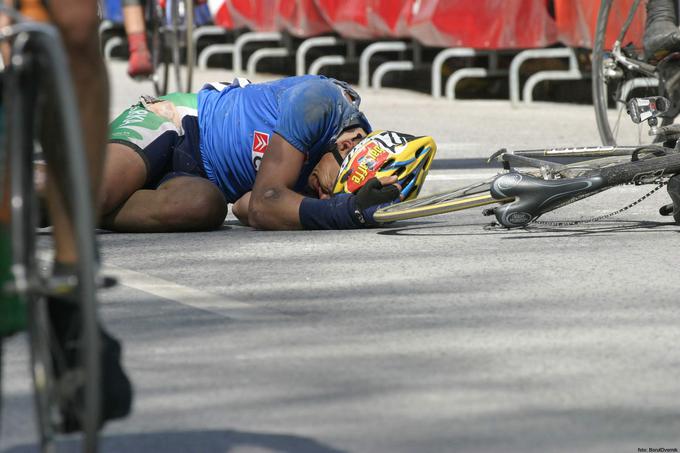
pixel 78 24
pixel 139 64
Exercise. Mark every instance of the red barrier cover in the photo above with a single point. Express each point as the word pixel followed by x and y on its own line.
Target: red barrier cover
pixel 301 18
pixel 483 24
pixel 367 19
pixel 220 13
pixel 576 21
pixel 256 15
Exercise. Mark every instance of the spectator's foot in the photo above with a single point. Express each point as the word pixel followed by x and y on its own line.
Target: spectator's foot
pixel 674 191
pixel 139 65
pixel 115 388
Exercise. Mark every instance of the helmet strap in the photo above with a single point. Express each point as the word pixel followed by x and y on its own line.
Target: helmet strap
pixel 338 158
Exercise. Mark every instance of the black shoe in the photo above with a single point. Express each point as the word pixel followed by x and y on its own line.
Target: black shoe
pixel 116 390
pixel 661 32
pixel 674 191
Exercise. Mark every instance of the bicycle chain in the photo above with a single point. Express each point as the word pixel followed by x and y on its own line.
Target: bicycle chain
pixel 555 223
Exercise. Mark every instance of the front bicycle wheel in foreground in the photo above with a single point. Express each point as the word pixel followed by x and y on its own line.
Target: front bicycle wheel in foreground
pixel 66 374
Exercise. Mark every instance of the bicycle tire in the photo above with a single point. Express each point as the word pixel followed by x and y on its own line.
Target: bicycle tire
pixel 190 45
pixel 472 196
pixel 157 35
pixel 598 82
pixel 181 26
pixel 632 171
pixel 30 281
pixel 477 194
pixel 616 83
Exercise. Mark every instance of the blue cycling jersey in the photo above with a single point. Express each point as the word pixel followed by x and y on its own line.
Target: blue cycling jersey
pixel 237 121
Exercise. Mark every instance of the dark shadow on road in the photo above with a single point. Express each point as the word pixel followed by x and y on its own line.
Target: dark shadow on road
pixel 539 231
pixel 193 442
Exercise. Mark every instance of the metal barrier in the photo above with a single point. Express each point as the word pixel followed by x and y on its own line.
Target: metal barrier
pixel 317 64
pixel 308 44
pixel 572 73
pixel 372 49
pixel 264 53
pixel 111 44
pixel 236 49
pixel 639 82
pixel 380 71
pixel 438 63
pixel 206 30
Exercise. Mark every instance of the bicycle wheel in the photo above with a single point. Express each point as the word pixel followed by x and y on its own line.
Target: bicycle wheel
pixel 477 194
pixel 619 71
pixel 467 197
pixel 181 26
pixel 78 385
pixel 158 45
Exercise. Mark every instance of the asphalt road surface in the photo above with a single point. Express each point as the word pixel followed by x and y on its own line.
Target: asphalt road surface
pixel 431 335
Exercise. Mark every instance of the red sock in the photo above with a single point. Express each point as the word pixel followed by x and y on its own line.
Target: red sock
pixel 137 42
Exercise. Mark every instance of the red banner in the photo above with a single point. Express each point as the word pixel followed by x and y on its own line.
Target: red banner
pixel 301 18
pixel 483 24
pixel 367 19
pixel 576 21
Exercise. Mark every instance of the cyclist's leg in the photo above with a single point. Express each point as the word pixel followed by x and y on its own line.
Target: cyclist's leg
pixel 182 203
pixel 78 22
pixel 140 58
pixel 154 178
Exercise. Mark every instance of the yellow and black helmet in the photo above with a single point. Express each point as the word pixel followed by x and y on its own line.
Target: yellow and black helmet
pixel 386 153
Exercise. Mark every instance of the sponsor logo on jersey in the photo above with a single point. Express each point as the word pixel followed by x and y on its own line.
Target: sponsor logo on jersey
pixel 260 143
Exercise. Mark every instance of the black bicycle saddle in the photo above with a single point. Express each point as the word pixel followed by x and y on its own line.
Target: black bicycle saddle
pixel 534 196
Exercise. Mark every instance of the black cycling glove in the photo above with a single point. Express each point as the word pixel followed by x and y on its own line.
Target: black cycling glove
pixel 372 196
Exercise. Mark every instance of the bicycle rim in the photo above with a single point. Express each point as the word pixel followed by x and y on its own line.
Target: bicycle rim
pixel 24 267
pixel 467 197
pixel 612 84
pixel 189 40
pixel 175 24
pixel 74 185
pixel 158 40
pixel 477 194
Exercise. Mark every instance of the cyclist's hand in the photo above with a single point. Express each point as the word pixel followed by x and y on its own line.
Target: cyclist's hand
pixel 375 194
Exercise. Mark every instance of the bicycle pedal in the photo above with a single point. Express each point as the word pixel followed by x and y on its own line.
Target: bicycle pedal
pixel 666 210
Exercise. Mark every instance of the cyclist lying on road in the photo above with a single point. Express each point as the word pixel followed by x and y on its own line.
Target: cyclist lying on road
pixel 174 164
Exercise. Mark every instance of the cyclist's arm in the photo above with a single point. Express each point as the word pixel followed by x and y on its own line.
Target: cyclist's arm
pixel 273 203
pixel 240 208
